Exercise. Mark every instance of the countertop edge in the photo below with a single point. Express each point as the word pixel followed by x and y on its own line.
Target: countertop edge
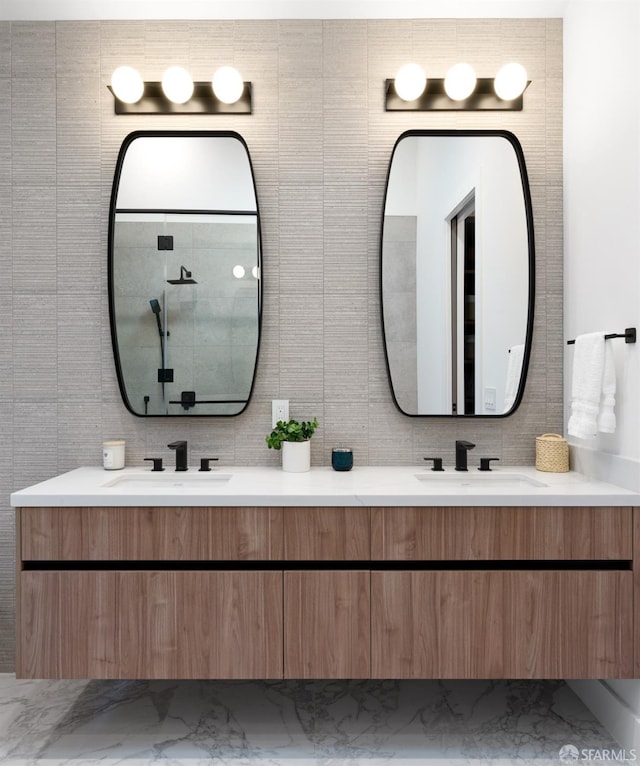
pixel 371 486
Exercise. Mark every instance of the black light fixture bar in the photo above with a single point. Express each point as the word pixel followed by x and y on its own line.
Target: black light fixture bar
pixel 434 99
pixel 203 101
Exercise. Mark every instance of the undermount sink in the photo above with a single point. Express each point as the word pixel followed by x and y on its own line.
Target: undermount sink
pixel 484 480
pixel 168 479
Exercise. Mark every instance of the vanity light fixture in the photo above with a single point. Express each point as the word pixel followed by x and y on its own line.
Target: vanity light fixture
pixel 460 90
pixel 177 93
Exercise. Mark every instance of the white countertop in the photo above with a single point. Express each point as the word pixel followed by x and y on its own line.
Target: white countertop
pixel 365 486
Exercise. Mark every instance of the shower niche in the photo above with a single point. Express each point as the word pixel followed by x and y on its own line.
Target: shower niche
pixel 185 273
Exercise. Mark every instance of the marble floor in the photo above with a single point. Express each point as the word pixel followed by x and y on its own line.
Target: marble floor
pixel 294 723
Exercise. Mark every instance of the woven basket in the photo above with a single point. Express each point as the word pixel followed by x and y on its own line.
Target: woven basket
pixel 552 453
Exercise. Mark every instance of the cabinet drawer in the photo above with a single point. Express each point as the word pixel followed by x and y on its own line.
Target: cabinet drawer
pixel 326 534
pixel 499 534
pixel 125 624
pixel 501 624
pixel 151 534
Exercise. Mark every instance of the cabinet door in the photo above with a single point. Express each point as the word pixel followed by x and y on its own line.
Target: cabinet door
pixel 150 624
pixel 501 624
pixel 327 624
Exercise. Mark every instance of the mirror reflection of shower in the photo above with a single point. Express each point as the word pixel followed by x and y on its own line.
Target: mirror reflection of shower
pixel 185 278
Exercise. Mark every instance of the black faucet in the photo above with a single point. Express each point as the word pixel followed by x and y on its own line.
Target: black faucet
pixel 462 447
pixel 181 454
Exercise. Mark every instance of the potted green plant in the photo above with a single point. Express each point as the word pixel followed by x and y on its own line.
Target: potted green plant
pixel 294 439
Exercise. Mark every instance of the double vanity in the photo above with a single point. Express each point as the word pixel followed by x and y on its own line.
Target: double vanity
pixel 379 572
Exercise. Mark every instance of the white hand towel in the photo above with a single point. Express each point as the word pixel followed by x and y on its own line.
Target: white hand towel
pixel 607 417
pixel 514 370
pixel 586 384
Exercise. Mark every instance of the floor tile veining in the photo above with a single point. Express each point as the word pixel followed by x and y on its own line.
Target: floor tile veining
pixel 292 723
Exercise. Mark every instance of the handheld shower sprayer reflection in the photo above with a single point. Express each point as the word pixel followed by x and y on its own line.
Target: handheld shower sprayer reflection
pixel 185 278
pixel 155 307
pixel 162 378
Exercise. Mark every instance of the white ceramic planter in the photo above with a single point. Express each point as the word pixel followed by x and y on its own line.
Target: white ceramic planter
pixel 296 456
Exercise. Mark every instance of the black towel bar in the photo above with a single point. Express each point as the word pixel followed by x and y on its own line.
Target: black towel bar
pixel 629 336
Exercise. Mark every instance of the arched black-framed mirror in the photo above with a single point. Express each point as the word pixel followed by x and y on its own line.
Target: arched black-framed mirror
pixel 457 273
pixel 185 273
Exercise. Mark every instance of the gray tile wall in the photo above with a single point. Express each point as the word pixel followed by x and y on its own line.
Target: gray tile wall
pixel 320 143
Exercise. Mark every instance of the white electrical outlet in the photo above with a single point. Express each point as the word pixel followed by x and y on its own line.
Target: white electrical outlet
pixel 279 411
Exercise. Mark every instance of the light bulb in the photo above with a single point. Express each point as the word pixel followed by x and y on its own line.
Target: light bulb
pixel 460 82
pixel 510 81
pixel 127 84
pixel 256 272
pixel 238 271
pixel 177 84
pixel 227 84
pixel 410 82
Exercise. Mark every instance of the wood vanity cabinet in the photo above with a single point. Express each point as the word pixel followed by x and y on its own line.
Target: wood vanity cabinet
pixel 327 624
pixel 325 592
pixel 519 592
pixel 150 534
pixel 501 624
pixel 151 624
pixel 132 593
pixel 327 610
